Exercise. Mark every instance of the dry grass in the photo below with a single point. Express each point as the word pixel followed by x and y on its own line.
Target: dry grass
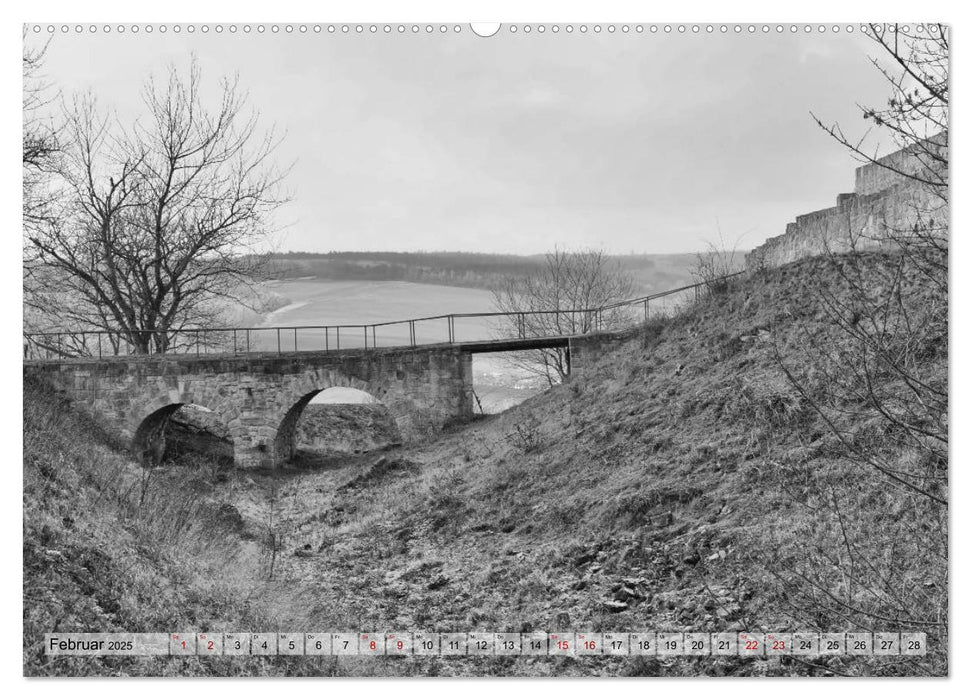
pixel 683 463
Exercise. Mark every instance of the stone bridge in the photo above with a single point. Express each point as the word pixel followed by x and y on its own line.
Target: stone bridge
pixel 260 396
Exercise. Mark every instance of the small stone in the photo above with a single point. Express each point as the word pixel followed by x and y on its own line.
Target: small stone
pixel 625 594
pixel 437 582
pixel 616 606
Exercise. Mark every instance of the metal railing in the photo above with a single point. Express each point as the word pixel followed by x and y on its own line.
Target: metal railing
pixel 413 332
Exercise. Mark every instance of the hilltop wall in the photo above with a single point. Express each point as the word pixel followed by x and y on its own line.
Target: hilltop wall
pixel 884 201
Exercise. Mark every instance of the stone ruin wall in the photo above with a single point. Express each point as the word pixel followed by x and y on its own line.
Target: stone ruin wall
pixel 883 201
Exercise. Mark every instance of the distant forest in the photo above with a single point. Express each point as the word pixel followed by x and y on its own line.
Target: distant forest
pixel 651 273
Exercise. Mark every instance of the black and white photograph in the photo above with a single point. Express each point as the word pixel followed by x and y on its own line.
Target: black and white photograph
pixel 485 349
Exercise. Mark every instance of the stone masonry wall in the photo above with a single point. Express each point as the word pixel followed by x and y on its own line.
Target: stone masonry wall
pixel 585 349
pixel 884 201
pixel 423 389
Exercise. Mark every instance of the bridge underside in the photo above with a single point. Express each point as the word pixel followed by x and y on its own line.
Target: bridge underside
pixel 516 344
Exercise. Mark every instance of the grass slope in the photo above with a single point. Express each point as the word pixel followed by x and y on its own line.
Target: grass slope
pixel 672 487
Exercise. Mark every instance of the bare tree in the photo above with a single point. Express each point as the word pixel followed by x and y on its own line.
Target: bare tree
pixel 890 323
pixel 915 65
pixel 41 151
pixel 566 298
pixel 877 377
pixel 160 220
pixel 41 143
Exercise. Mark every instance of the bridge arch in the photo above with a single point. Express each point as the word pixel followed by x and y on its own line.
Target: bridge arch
pixel 149 411
pixel 402 408
pixel 151 438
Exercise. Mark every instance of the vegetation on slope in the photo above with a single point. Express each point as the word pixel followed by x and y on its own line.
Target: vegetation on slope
pixel 684 482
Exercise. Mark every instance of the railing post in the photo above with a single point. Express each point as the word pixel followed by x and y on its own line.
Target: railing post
pixel 247 340
pixel 99 345
pixel 451 328
pixel 235 348
pixel 365 337
pixel 411 331
pixel 326 337
pixel 278 352
pixel 294 338
pixel 338 337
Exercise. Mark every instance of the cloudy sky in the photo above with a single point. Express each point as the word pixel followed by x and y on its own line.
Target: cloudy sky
pixel 649 143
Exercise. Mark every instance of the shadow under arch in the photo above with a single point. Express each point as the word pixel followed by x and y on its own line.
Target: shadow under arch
pixel 341 397
pixel 153 439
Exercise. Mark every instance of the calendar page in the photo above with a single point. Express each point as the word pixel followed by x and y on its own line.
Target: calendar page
pixel 448 348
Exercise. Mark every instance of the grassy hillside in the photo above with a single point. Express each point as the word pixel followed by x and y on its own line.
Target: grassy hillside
pixel 683 483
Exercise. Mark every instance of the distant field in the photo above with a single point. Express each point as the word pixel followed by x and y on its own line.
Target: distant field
pixel 651 273
pixel 317 302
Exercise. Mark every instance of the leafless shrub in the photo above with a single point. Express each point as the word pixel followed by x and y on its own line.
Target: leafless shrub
pixel 527 436
pixel 565 298
pixel 713 267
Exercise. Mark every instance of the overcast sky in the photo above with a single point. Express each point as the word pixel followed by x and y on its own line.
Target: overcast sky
pixel 641 143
